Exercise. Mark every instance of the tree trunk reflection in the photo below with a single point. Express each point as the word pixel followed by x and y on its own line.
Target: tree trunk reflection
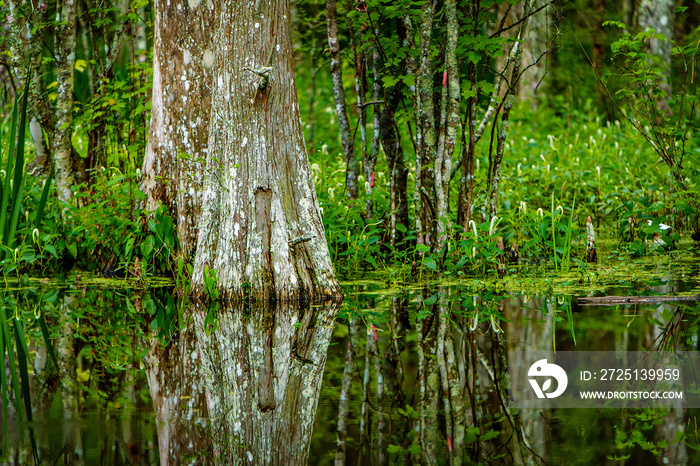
pixel 253 372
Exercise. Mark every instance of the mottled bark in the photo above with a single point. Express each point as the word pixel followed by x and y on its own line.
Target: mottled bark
pixel 536 48
pixel 173 166
pixel 371 159
pixel 177 386
pixel 659 16
pixel 263 368
pixel 42 124
pixel 426 136
pixel 25 48
pixel 391 142
pixel 495 166
pixel 260 228
pixel 346 135
pixel 449 124
pixel 360 90
pixel 64 177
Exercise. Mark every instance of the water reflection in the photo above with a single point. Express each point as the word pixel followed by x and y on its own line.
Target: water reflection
pixel 448 400
pixel 413 377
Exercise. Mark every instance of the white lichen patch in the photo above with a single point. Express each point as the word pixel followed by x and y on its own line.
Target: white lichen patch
pixel 186 57
pixel 208 58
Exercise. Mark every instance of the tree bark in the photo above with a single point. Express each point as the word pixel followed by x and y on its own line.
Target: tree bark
pixel 260 228
pixel 659 15
pixel 346 135
pixel 173 167
pixel 65 69
pixel 391 142
pixel 509 99
pixel 426 137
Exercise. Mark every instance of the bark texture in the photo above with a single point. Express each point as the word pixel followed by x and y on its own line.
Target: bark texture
pixel 183 57
pixel 260 227
pixel 346 136
pixel 65 69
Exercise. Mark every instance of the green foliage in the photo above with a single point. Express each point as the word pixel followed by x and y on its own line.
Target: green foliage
pixel 666 119
pixel 108 227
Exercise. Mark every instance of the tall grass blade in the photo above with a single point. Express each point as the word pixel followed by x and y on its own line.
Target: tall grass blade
pixel 18 179
pixel 47 338
pixel 4 207
pixel 554 239
pixel 11 361
pixel 570 316
pixel 567 247
pixel 43 200
pixel 3 383
pixel 22 352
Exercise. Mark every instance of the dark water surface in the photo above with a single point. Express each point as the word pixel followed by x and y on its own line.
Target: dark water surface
pixel 415 375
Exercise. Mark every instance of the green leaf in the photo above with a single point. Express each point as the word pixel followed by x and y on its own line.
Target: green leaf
pixel 432 300
pixel 430 263
pixel 72 249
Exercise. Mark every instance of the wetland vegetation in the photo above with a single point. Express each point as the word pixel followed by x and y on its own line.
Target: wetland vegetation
pixel 462 221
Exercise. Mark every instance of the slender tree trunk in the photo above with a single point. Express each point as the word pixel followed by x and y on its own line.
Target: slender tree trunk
pixel 173 167
pixel 101 74
pixel 426 137
pixel 42 124
pixel 509 99
pixel 534 55
pixel 65 68
pixel 346 135
pixel 391 142
pixel 449 124
pixel 372 156
pixel 260 228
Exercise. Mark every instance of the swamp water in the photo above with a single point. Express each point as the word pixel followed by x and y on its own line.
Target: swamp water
pixel 393 376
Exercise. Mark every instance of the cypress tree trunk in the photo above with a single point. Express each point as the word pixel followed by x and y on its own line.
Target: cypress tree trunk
pixel 177 144
pixel 260 229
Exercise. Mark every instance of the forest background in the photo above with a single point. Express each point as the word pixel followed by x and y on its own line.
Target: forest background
pixel 477 142
pixel 441 135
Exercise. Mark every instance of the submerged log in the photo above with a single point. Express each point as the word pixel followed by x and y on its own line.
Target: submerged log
pixel 612 300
